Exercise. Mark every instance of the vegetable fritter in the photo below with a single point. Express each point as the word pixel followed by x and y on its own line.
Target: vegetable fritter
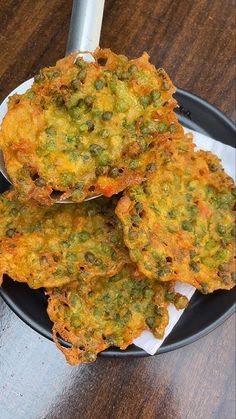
pixel 109 312
pixel 48 247
pixel 86 128
pixel 179 223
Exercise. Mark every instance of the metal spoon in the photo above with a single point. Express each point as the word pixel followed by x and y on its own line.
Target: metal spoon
pixel 84 35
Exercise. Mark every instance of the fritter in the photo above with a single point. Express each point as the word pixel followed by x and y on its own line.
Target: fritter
pixel 179 223
pixel 85 128
pixel 109 312
pixel 48 247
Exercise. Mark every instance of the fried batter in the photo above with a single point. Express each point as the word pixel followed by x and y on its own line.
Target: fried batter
pixel 85 128
pixel 48 247
pixel 109 312
pixel 179 224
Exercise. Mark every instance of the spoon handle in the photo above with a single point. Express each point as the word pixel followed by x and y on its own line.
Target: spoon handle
pixel 85 25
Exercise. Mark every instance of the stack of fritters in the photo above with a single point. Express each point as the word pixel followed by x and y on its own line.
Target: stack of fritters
pixel 102 128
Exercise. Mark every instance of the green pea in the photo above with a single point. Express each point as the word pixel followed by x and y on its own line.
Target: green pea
pixel 142 143
pixel 161 127
pixel 114 172
pixel 99 171
pixel 59 101
pixel 95 149
pixel 148 292
pixel 39 77
pixel 181 302
pixel 90 357
pixel 151 167
pixel 233 232
pixel 90 257
pixel 106 116
pixel 31 95
pixel 194 266
pixel 50 131
pixel 103 159
pixel 74 113
pixel 40 182
pixel 103 133
pixel 172 128
pixel 133 164
pixel 58 272
pixel 10 232
pixel 85 157
pixel 163 271
pixel 99 84
pixel 221 229
pixel 187 225
pixel 83 236
pixel 75 84
pixel 169 296
pixel 83 127
pixel 80 62
pixel 76 195
pixel 132 69
pixel 79 185
pixel 88 100
pixel 90 125
pixel 75 320
pixel 159 311
pixel 138 207
pixel 125 75
pixel 43 103
pixel 71 139
pixel 145 130
pixel 71 257
pixel 80 103
pixel 233 276
pixel 204 288
pixel 155 95
pixel 192 253
pixel 82 75
pixel 14 211
pixel 172 214
pixel 212 167
pixel 67 178
pixel 52 74
pixel 35 227
pixel 150 321
pixel 132 234
pixel 145 101
pixel 193 209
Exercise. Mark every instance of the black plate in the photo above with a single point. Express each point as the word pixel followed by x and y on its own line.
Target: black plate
pixel 204 313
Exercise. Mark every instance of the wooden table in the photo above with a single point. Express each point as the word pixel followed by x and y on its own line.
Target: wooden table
pixel 194 42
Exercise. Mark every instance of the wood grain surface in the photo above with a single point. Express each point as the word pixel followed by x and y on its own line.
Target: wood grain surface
pixel 195 42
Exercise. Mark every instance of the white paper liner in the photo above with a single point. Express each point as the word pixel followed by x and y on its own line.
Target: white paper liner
pixel 226 153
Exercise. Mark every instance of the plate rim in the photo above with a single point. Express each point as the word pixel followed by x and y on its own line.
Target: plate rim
pixel 132 350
